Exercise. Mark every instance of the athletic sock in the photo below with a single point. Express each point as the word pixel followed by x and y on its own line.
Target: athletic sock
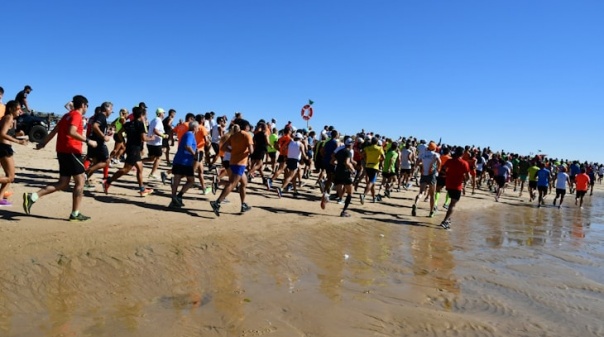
pixel 86 164
pixel 436 196
pixel 34 197
pixel 75 213
pixel 106 172
pixel 447 199
pixel 347 202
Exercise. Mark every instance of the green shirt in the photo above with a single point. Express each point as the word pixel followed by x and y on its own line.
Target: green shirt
pixel 390 162
pixel 532 173
pixel 272 139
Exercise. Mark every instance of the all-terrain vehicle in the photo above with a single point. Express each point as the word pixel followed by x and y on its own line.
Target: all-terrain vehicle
pixel 35 125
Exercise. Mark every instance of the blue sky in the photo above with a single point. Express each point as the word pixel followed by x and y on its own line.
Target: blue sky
pixel 516 75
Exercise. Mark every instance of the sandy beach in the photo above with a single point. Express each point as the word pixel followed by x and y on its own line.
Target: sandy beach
pixel 289 268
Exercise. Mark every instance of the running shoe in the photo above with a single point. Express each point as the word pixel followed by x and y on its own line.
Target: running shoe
pixel 345 214
pixel 324 200
pixel 88 186
pixel 215 207
pixel 279 192
pixel 269 183
pixel 27 203
pixel 145 192
pixel 79 217
pixel 413 210
pixel 446 206
pixel 207 190
pixel 431 215
pixel 5 203
pixel 362 197
pixel 245 207
pixel 445 225
pixel 164 177
pixel 152 177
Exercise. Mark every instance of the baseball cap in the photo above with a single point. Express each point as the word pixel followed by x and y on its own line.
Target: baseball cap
pixel 142 105
pixel 28 87
pixel 159 111
pixel 298 135
pixel 348 141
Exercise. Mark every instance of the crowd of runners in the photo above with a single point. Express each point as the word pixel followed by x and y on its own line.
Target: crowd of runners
pixel 226 155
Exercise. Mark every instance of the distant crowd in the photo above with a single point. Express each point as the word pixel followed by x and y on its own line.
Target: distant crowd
pixel 227 155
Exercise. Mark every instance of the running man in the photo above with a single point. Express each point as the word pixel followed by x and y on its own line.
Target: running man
pixel 373 156
pixel 69 131
pixel 457 173
pixel 343 173
pixel 99 155
pixel 561 181
pixel 241 146
pixel 543 177
pixel 581 183
pixel 183 165
pixel 156 134
pixel 430 163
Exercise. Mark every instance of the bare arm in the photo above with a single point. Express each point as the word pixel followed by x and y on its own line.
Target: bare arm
pixel 7 122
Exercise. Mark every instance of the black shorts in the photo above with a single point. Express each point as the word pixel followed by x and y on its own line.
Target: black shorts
pixel 99 154
pixel 292 164
pixel 258 155
pixel 454 194
pixel 429 179
pixel 165 143
pixel 6 150
pixel 560 192
pixel 330 168
pixel 387 175
pixel 216 148
pixel 406 171
pixel 342 179
pixel 514 175
pixel 199 155
pixel 318 164
pixel 532 184
pixel 154 150
pixel 281 159
pixel 441 181
pixel 70 164
pixel 272 155
pixel 581 194
pixel 133 156
pixel 500 180
pixel 118 138
pixel 542 188
pixel 183 170
pixel 478 173
pixel 226 164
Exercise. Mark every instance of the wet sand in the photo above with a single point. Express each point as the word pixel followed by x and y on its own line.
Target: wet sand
pixel 288 268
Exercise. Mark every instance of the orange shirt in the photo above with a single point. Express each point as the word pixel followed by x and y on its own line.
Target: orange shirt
pixel 582 181
pixel 283 143
pixel 181 129
pixel 200 137
pixel 240 144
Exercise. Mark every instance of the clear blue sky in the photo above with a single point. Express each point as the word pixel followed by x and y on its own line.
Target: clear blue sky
pixel 516 75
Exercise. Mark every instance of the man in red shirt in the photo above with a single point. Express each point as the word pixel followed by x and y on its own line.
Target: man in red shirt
pixel 581 182
pixel 69 132
pixel 457 173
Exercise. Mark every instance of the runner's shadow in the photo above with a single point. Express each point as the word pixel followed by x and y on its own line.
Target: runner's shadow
pixel 10 216
pixel 289 211
pixel 398 221
pixel 151 206
pixel 37 169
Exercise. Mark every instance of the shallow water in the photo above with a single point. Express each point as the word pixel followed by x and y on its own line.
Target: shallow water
pixel 501 271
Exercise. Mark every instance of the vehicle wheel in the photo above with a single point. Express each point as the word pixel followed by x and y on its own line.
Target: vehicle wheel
pixel 37 133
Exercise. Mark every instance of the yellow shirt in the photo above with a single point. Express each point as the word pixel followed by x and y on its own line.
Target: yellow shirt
pixel 372 156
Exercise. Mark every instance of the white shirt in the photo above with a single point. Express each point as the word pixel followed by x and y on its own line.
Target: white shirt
pixel 207 125
pixel 294 150
pixel 215 134
pixel 428 160
pixel 156 124
pixel 561 180
pixel 405 162
pixel 421 149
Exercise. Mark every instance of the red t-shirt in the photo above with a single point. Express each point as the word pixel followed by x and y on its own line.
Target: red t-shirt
pixel 582 181
pixel 456 170
pixel 65 143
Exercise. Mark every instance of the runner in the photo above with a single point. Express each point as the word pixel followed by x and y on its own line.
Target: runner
pixel 389 172
pixel 441 180
pixel 373 156
pixel 523 166
pixel 136 136
pixel 407 160
pixel 183 165
pixel 561 182
pixel 241 144
pixel 167 142
pixel 202 137
pixel 69 131
pixel 261 146
pixel 430 162
pixel 296 152
pixel 532 176
pixel 118 136
pixel 574 170
pixel 99 155
pixel 582 183
pixel 457 172
pixel 543 177
pixel 343 173
pixel 7 132
pixel 218 130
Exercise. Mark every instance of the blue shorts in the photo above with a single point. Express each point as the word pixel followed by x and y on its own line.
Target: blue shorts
pixel 238 170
